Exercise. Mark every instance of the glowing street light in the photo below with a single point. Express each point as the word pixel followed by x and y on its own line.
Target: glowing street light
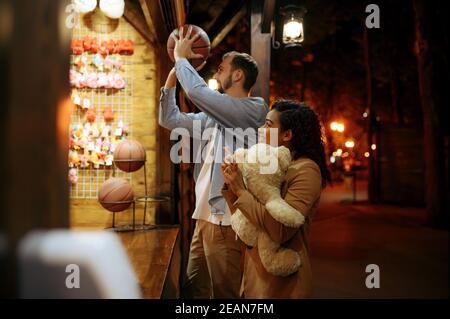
pixel 349 144
pixel 293 34
pixel 293 28
pixel 366 154
pixel 336 126
pixel 373 147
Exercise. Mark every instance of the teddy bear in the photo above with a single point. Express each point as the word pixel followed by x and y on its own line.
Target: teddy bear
pixel 263 169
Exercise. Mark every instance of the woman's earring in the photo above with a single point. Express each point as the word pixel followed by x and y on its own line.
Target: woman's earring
pixel 113 9
pixel 85 6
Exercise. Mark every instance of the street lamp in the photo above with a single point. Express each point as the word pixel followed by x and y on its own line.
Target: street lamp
pixel 349 144
pixel 293 34
pixel 336 126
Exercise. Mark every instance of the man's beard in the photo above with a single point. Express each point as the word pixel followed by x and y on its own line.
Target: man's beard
pixel 226 85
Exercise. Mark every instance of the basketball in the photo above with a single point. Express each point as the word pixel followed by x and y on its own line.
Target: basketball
pixel 201 46
pixel 129 156
pixel 114 190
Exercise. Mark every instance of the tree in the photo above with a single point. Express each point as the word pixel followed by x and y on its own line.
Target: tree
pixel 433 142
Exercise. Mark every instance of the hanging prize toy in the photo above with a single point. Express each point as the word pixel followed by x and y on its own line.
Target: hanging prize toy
pixel 86 103
pixel 73 176
pixel 108 114
pixel 91 114
pixel 103 49
pixel 108 63
pixel 94 160
pixel 87 43
pixel 84 160
pixel 118 63
pixel 111 46
pixel 81 63
pixel 98 62
pixel 109 160
pixel 74 159
pixel 77 47
pixel 118 81
pixel 76 99
pixel 102 80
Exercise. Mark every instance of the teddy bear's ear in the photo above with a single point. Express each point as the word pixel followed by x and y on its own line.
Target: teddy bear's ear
pixel 284 157
pixel 240 155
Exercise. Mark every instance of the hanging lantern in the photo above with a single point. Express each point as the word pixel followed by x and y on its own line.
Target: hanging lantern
pixel 293 33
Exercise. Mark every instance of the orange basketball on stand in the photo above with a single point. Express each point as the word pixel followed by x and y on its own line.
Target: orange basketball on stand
pixel 129 156
pixel 202 45
pixel 116 194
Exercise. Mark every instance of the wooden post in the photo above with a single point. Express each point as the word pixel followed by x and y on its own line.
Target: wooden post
pixel 35 122
pixel 167 212
pixel 260 50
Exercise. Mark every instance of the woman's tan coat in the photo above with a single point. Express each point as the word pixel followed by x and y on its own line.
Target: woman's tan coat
pixel 301 189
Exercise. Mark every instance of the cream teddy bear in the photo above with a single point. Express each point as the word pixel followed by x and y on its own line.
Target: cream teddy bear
pixel 263 168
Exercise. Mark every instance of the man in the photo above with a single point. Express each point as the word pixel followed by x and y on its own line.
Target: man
pixel 214 260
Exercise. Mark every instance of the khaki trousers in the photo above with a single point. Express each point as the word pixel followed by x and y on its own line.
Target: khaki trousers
pixel 213 269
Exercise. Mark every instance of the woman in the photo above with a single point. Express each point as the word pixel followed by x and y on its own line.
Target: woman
pixel 299 130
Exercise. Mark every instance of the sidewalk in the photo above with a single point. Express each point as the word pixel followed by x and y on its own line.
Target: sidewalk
pixel 345 238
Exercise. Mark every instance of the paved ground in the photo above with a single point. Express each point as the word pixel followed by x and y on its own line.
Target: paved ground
pixel 345 238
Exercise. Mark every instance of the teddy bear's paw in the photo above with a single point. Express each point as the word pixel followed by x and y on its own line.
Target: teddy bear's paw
pixel 277 260
pixel 284 213
pixel 246 231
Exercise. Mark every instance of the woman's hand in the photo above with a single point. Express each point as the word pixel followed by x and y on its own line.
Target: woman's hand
pixel 233 178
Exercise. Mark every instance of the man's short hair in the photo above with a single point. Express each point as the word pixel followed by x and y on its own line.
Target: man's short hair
pixel 247 64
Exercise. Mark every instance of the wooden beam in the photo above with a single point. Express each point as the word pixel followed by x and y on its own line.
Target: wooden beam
pixel 135 16
pixel 163 16
pixel 267 15
pixel 161 21
pixel 179 12
pixel 228 27
pixel 260 50
pixel 155 20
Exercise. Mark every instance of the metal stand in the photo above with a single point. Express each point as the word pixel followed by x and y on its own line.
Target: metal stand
pixel 126 227
pixel 151 199
pixel 145 199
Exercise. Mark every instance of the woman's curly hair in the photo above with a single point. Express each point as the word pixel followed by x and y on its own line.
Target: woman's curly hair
pixel 307 133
